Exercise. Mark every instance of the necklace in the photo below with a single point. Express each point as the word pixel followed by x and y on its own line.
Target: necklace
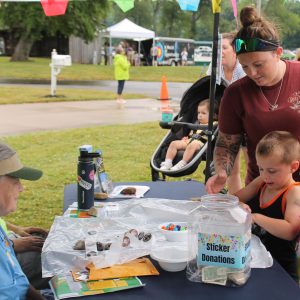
pixel 274 106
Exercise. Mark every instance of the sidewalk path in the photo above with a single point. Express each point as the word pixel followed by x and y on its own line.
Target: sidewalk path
pixel 150 89
pixel 24 118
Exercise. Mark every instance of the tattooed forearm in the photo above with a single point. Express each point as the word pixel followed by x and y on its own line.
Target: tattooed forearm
pixel 226 149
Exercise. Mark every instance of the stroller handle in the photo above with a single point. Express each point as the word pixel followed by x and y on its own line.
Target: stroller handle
pixel 191 126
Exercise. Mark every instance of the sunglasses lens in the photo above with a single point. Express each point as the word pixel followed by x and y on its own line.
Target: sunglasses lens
pixel 253 44
pixel 238 45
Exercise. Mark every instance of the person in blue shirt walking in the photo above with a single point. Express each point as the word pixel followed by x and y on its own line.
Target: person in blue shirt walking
pixel 13 282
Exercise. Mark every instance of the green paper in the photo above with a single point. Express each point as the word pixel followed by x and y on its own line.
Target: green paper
pixel 64 286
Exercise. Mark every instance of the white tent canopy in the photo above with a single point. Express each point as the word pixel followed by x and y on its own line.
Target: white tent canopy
pixel 126 29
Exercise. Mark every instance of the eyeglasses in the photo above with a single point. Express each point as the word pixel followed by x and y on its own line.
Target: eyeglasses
pixel 254 44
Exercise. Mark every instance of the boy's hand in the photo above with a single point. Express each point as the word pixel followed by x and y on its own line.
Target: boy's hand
pixel 245 207
pixel 28 243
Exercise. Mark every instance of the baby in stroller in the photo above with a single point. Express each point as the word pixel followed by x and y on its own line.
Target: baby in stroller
pixel 181 126
pixel 191 143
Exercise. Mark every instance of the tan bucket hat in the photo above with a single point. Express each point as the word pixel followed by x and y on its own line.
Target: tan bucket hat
pixel 11 165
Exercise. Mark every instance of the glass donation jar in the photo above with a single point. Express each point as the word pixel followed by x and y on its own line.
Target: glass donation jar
pixel 219 242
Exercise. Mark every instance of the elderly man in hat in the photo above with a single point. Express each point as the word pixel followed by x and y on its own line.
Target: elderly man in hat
pixel 13 282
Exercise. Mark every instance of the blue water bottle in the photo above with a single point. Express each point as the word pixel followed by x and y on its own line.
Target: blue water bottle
pixel 85 179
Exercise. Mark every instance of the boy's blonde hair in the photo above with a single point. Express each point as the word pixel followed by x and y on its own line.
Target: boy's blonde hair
pixel 282 143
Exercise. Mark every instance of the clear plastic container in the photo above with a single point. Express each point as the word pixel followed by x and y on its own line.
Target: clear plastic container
pixel 219 235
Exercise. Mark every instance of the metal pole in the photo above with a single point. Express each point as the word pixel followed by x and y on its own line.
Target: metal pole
pixel 139 53
pixel 212 91
pixel 53 74
pixel 110 51
pixel 153 51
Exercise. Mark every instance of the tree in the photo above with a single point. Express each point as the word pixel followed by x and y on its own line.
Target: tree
pixel 26 22
pixel 136 15
pixel 171 20
pixel 287 20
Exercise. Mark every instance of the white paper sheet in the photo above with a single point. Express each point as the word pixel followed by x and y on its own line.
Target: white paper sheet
pixel 140 191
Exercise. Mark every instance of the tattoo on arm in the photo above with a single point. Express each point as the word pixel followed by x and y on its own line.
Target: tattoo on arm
pixel 226 150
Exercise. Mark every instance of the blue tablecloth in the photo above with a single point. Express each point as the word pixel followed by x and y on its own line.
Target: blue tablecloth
pixel 272 283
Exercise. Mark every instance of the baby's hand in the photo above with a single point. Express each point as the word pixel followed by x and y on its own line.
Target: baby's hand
pixel 185 138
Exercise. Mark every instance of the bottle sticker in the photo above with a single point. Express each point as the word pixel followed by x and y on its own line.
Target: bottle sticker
pixel 223 250
pixel 91 175
pixel 84 184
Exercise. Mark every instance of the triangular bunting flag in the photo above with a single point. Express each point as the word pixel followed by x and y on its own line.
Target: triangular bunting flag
pixel 216 6
pixel 191 5
pixel 234 7
pixel 125 5
pixel 54 7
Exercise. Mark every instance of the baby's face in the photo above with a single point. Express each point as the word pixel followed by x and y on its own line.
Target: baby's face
pixel 203 114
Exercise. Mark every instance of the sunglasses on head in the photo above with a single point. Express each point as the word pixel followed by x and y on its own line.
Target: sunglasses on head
pixel 254 44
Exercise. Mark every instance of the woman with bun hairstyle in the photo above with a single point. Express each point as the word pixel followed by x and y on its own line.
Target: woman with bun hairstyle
pixel 265 100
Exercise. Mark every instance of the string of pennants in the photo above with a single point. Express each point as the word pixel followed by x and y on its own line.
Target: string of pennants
pixel 189 5
pixel 58 7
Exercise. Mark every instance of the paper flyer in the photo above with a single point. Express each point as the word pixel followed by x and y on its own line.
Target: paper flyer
pixel 64 286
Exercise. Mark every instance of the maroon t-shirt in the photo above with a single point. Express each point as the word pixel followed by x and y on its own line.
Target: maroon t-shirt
pixel 244 110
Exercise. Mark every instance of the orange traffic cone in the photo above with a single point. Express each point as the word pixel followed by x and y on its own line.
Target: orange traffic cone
pixel 167 111
pixel 164 95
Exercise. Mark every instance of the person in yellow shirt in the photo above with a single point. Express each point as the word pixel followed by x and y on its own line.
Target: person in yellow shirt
pixel 121 68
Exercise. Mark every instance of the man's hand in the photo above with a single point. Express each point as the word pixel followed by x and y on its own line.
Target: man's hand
pixel 216 183
pixel 33 294
pixel 28 243
pixel 27 231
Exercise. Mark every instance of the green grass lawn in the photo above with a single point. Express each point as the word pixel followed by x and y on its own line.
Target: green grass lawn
pixel 38 68
pixel 56 154
pixel 27 94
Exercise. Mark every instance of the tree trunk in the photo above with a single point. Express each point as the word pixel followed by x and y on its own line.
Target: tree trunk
pixel 193 26
pixel 156 9
pixel 22 49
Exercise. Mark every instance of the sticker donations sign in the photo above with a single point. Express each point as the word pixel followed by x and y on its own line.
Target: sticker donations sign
pixel 228 251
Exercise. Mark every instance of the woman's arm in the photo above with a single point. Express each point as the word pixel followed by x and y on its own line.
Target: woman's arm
pixel 226 149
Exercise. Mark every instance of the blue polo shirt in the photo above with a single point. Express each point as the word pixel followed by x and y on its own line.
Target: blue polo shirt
pixel 13 282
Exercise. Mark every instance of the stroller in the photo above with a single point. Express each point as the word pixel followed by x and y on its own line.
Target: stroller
pixel 181 125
